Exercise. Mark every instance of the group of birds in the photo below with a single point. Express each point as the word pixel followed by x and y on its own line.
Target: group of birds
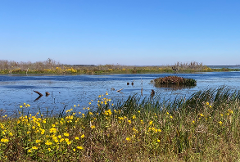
pixel 131 83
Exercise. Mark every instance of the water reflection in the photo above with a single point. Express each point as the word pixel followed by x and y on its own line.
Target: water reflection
pixel 174 87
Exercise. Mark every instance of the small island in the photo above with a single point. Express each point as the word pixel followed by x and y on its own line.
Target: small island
pixel 174 81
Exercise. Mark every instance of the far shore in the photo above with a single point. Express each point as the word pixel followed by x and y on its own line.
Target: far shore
pixel 52 67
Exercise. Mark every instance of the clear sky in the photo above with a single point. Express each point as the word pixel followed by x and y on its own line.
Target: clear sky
pixel 125 32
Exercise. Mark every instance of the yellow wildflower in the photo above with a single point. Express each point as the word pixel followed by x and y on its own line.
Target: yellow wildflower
pixel 134 116
pixel 220 122
pixel 128 139
pixel 150 123
pixel 53 130
pixel 48 143
pixel 230 111
pixel 4 140
pixel 38 141
pixel 68 142
pixel 66 134
pixel 34 147
pixel 79 147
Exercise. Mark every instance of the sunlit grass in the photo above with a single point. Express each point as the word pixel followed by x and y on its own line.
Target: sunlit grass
pixel 205 127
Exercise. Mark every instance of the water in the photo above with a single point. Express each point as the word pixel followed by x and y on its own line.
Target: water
pixel 224 66
pixel 67 91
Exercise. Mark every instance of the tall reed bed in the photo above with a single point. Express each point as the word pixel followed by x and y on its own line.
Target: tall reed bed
pixel 205 127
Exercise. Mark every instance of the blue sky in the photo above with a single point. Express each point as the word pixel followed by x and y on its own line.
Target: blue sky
pixel 126 32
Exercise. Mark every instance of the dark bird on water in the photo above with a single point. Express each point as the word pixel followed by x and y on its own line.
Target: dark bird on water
pixel 47 93
pixel 127 83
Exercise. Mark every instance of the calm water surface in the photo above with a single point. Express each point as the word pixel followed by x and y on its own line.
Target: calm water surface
pixel 81 89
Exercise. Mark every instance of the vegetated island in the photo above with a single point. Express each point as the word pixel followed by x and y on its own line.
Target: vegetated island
pixel 50 66
pixel 170 81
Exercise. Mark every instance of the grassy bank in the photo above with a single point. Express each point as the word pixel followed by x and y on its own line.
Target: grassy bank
pixel 205 127
pixel 52 67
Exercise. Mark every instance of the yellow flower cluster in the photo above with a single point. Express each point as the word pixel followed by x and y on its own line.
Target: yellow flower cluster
pixel 24 105
pixel 44 133
pixel 103 101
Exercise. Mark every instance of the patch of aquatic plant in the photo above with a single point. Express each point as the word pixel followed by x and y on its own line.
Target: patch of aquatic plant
pixel 174 80
pixel 204 127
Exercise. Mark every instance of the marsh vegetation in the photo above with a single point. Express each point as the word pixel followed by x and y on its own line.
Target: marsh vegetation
pixel 51 66
pixel 203 127
pixel 169 81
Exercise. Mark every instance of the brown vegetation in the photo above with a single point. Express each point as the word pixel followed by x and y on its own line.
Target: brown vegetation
pixel 174 80
pixel 52 67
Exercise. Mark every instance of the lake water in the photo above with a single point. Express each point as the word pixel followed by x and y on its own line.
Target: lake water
pixel 71 90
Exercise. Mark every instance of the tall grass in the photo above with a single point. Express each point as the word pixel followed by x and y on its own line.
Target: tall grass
pixel 204 127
